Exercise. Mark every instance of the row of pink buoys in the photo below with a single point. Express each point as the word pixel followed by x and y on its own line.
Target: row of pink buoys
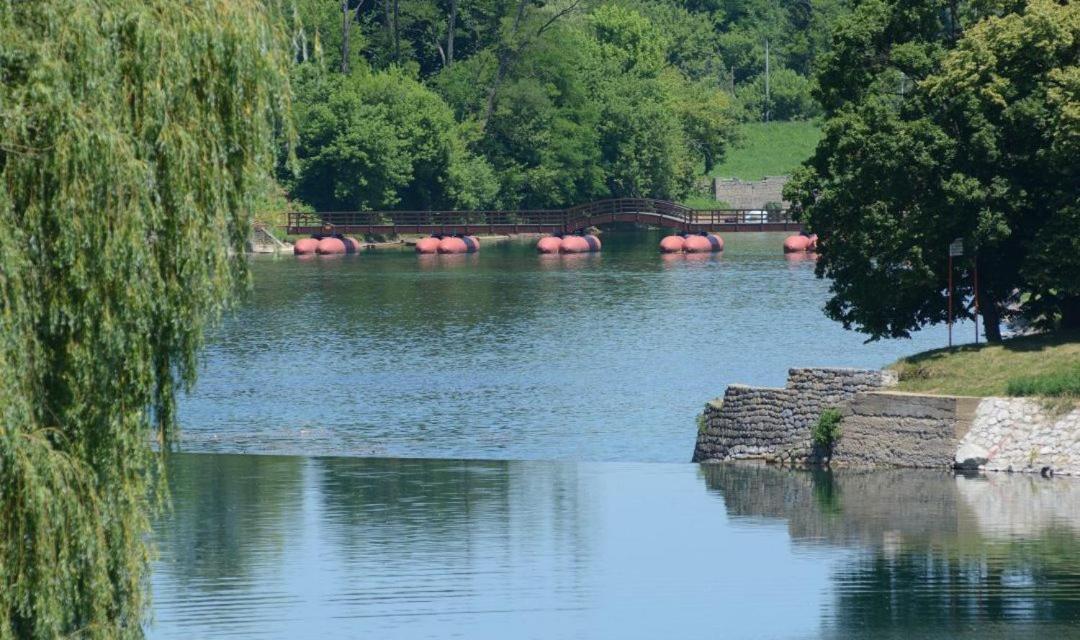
pixel 700 243
pixel 569 244
pixel 326 246
pixel 448 244
pixel 800 243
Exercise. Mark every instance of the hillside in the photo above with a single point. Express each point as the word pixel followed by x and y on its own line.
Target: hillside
pixel 769 149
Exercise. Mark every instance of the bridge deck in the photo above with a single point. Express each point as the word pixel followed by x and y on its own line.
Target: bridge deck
pixel 634 210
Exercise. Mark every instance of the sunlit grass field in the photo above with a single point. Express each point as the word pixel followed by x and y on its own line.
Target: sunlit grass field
pixel 769 149
pixel 1040 365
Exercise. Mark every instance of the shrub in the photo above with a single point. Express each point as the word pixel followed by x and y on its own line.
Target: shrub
pixel 827 431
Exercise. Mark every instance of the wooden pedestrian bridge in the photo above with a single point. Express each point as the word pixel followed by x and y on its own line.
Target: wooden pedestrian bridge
pixel 660 213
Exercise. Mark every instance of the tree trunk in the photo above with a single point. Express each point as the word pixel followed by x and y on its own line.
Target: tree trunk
pixel 504 61
pixel 991 317
pixel 397 34
pixel 388 23
pixel 1070 313
pixel 346 28
pixel 450 34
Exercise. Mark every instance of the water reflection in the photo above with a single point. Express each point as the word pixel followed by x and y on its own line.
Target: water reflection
pixel 336 547
pixel 937 555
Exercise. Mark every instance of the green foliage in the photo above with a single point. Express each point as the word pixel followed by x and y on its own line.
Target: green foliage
pixel 379 140
pixel 553 103
pixel 941 126
pixel 1065 384
pixel 135 138
pixel 827 431
pixel 789 98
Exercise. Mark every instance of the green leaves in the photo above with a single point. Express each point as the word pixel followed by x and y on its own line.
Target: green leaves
pixel 970 149
pixel 134 136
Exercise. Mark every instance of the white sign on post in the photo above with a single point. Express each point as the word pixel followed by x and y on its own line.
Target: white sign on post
pixel 956 248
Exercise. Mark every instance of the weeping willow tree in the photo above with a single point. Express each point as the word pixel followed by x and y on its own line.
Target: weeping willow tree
pixel 133 134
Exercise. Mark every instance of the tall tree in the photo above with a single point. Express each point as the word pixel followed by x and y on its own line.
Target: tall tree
pixel 982 148
pixel 134 135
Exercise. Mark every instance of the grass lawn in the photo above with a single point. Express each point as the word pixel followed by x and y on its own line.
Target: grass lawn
pixel 1043 365
pixel 769 149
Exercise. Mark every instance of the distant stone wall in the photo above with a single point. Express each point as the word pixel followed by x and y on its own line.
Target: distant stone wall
pixel 755 194
pixel 762 422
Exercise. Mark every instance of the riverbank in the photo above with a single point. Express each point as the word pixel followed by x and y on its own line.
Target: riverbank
pixel 882 425
pixel 1037 365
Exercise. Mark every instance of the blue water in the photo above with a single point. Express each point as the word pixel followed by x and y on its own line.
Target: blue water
pixel 495 446
pixel 295 547
pixel 510 355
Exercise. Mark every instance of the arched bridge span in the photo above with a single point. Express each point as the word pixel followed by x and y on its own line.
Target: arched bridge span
pixel 660 213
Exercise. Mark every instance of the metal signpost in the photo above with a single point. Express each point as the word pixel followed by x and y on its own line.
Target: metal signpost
pixel 956 248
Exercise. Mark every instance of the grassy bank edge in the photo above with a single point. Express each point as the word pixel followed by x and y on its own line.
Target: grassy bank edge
pixel 1044 365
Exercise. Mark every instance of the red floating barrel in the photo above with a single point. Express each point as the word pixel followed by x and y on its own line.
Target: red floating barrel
pixel 574 244
pixel 549 244
pixel 472 244
pixel 594 242
pixel 453 245
pixel 305 246
pixel 352 245
pixel 697 244
pixel 716 241
pixel 330 247
pixel 427 245
pixel 813 243
pixel 794 244
pixel 672 244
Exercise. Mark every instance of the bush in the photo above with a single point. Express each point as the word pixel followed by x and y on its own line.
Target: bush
pixel 1059 384
pixel 827 431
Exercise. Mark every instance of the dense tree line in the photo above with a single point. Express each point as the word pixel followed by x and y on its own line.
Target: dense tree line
pixel 418 104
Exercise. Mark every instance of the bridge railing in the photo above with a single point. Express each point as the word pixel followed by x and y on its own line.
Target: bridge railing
pixel 536 217
pixel 673 212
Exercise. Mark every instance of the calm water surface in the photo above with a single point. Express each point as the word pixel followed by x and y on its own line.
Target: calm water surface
pixel 301 547
pixel 566 380
pixel 510 355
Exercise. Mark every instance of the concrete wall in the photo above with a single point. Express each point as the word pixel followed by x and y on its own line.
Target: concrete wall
pixel 761 422
pixel 903 429
pixel 751 194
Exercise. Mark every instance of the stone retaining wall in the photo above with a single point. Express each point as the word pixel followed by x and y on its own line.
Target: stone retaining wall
pixel 902 429
pixel 1021 434
pixel 882 427
pixel 763 422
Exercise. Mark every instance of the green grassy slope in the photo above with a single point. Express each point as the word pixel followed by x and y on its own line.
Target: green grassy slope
pixel 769 149
pixel 1031 365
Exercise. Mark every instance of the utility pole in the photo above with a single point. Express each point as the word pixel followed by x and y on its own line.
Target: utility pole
pixel 767 103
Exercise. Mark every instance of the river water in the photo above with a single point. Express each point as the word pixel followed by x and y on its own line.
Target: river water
pixel 495 446
pixel 301 547
pixel 509 355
